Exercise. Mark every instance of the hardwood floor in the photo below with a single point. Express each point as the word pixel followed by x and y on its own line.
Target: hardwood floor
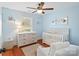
pixel 15 51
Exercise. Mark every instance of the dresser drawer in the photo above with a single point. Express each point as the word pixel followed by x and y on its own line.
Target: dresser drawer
pixel 21 43
pixel 24 42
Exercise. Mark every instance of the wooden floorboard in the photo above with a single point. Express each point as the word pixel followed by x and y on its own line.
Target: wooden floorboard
pixel 15 51
pixel 7 53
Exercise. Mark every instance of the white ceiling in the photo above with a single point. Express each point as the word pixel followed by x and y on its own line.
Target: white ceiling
pixel 22 5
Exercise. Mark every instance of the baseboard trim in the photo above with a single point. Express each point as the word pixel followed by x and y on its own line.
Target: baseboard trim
pixel 28 45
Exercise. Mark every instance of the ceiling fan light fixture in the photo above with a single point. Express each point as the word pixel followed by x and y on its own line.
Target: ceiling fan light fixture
pixel 39 11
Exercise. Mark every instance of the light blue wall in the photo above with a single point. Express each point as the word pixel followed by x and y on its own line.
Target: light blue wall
pixel 73 21
pixel 36 21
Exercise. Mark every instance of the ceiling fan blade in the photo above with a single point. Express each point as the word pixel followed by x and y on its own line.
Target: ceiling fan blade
pixel 34 11
pixel 31 8
pixel 48 9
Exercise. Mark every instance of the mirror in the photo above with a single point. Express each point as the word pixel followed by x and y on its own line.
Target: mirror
pixel 24 25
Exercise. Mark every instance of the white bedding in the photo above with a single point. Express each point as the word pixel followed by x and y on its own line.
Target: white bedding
pixel 48 51
pixel 72 50
pixel 60 49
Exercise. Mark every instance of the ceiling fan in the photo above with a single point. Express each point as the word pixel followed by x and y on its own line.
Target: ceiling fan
pixel 40 8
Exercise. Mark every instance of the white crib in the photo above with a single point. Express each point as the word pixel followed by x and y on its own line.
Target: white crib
pixel 56 35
